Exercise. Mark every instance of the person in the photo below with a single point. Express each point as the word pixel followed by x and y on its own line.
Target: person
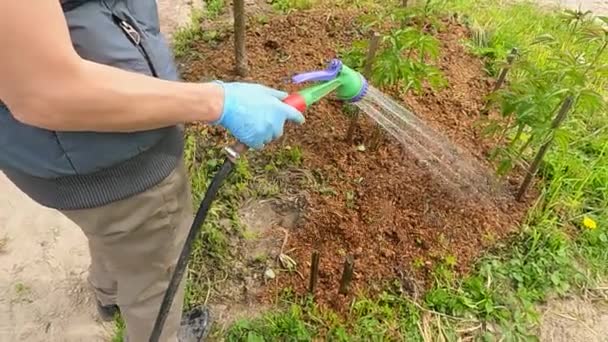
pixel 92 115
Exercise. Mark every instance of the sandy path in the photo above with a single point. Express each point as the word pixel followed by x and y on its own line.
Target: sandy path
pixel 43 261
pixel 598 6
pixel 44 258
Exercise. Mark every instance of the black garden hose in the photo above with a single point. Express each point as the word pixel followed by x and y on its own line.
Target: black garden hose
pixel 233 154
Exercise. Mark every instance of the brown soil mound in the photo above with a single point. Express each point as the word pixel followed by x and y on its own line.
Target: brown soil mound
pixel 386 211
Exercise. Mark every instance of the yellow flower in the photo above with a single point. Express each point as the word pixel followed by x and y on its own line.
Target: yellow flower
pixel 589 223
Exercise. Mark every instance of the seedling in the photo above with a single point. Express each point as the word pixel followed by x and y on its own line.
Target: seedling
pixel 538 90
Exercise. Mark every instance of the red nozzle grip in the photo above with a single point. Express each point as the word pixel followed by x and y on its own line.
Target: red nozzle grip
pixel 296 101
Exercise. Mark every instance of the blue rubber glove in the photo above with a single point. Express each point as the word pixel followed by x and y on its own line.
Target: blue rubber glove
pixel 254 114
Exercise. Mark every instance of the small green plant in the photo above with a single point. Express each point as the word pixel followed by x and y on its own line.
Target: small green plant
pixel 287 325
pixel 288 156
pixel 263 19
pixel 418 263
pixel 185 37
pixel 21 289
pixel 350 199
pixel 119 329
pixel 482 44
pixel 288 5
pixel 404 58
pixel 214 8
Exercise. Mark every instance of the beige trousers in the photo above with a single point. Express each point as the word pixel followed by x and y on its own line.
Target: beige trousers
pixel 134 245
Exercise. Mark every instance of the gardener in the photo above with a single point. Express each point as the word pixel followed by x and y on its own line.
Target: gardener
pixel 91 118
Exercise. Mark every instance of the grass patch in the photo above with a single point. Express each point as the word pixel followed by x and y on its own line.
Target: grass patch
pixel 214 8
pixel 289 5
pixel 119 329
pixel 257 176
pixel 212 252
pixel 185 37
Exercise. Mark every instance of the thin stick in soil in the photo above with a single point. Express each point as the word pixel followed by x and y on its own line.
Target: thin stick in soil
pixel 347 275
pixel 559 119
pixel 314 271
pixel 502 77
pixel 374 43
pixel 239 37
pixel 503 73
pixel 404 21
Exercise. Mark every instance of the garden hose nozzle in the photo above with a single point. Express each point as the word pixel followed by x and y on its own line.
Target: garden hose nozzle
pixel 348 85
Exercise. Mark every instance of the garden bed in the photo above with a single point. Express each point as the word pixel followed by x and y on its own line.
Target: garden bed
pixel 380 206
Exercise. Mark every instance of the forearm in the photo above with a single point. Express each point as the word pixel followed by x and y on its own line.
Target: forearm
pixel 95 97
pixel 61 91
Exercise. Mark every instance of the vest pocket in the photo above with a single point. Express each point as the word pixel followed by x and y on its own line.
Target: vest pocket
pixel 97 35
pixel 135 35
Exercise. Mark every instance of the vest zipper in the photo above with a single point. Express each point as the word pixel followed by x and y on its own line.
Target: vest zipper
pixel 135 38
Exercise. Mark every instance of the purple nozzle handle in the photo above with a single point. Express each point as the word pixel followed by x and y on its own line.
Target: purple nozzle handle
pixel 325 75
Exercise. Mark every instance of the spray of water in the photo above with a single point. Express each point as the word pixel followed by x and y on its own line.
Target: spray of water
pixel 448 163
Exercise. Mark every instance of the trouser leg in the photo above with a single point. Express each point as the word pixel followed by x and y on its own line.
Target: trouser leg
pixel 140 238
pixel 101 279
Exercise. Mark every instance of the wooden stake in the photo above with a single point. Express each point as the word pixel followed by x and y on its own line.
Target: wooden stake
pixel 239 37
pixel 501 78
pixel 347 274
pixel 503 73
pixel 314 271
pixel 557 121
pixel 374 44
pixel 404 20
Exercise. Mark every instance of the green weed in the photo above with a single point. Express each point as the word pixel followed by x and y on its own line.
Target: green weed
pixel 288 325
pixel 22 289
pixel 119 329
pixel 212 253
pixel 288 156
pixel 214 8
pixel 288 5
pixel 186 36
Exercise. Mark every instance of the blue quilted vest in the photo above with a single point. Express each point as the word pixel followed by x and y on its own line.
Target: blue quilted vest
pixel 76 170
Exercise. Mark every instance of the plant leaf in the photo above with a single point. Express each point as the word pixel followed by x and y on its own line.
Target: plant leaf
pixel 544 39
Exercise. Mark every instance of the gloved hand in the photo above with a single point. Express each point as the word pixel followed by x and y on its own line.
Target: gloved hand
pixel 254 114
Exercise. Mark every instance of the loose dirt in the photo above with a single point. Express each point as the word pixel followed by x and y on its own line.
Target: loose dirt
pixel 380 206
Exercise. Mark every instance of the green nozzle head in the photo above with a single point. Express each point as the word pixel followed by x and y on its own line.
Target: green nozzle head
pixel 353 85
pixel 348 84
